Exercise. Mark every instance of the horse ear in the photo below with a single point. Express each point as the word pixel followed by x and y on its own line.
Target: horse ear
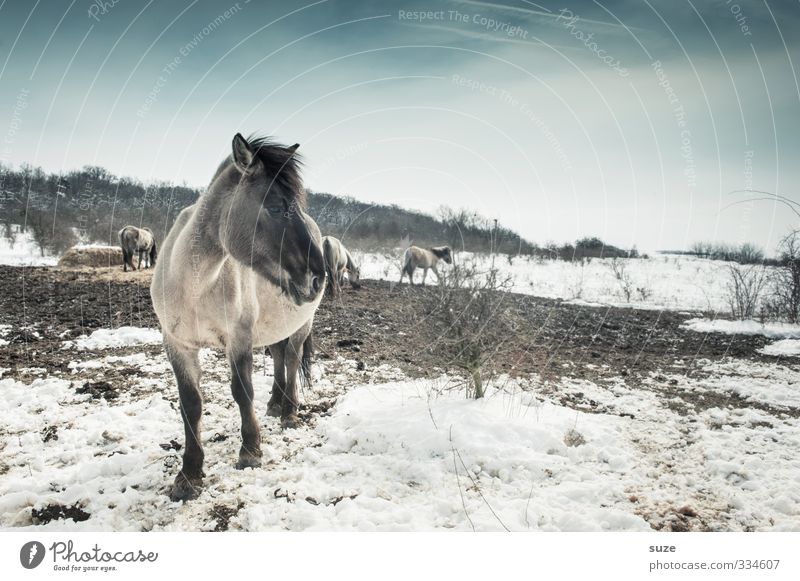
pixel 293 148
pixel 242 154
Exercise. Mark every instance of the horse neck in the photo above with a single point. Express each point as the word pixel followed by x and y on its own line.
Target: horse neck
pixel 211 210
pixel 350 262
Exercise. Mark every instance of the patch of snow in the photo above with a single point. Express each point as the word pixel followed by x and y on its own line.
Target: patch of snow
pixel 119 337
pixel 749 327
pixel 782 348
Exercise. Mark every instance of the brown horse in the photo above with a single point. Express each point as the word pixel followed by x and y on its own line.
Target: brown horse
pixel 424 258
pixel 241 268
pixel 338 262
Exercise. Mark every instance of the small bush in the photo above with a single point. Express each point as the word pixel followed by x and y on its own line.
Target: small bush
pixel 624 279
pixel 745 284
pixel 469 307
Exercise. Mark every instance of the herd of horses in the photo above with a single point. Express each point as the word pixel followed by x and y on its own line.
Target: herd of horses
pixel 246 267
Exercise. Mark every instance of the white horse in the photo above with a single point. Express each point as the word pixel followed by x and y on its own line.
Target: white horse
pixel 241 268
pixel 337 262
pixel 424 258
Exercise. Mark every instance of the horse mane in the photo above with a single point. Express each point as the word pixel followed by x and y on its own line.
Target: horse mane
pixel 440 251
pixel 279 162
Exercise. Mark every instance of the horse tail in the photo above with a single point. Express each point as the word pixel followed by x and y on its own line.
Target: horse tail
pixel 408 257
pixel 126 255
pixel 306 359
pixel 153 252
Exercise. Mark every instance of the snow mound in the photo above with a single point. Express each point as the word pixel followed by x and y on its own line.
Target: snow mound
pixel 399 457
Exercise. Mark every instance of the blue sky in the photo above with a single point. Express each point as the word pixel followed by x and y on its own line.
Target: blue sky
pixel 632 120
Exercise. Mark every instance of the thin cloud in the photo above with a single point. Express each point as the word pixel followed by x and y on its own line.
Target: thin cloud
pixel 543 14
pixel 488 37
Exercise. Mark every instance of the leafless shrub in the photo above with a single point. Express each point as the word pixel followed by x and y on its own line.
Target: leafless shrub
pixel 573 438
pixel 575 289
pixel 745 284
pixel 624 280
pixel 469 307
pixel 784 292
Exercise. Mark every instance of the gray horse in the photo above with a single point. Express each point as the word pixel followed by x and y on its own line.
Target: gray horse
pixel 139 241
pixel 424 258
pixel 241 268
pixel 337 262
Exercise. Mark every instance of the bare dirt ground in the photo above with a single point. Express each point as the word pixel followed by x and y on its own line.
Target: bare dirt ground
pixel 382 323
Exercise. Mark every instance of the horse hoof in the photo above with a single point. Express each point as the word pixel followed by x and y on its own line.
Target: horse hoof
pixel 185 488
pixel 249 460
pixel 274 410
pixel 290 422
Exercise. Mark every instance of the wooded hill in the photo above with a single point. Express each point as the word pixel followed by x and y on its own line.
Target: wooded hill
pixel 91 205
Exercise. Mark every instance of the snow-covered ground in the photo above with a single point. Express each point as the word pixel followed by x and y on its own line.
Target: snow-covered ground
pixel 386 452
pixel 392 453
pixel 22 250
pixel 683 283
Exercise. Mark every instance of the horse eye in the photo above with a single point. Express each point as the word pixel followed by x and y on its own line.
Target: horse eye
pixel 274 211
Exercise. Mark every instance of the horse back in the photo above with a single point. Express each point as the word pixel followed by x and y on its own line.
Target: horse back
pixel 416 257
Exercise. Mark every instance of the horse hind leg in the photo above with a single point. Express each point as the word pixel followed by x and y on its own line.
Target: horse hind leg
pixel 291 398
pixel 294 353
pixel 241 361
pixel 278 353
pixel 189 481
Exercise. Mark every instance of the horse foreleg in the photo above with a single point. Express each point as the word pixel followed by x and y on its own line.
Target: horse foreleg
pixel 424 274
pixel 241 361
pixel 186 366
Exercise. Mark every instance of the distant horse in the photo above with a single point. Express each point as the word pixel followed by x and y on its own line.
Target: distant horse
pixel 241 268
pixel 337 262
pixel 416 257
pixel 139 241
